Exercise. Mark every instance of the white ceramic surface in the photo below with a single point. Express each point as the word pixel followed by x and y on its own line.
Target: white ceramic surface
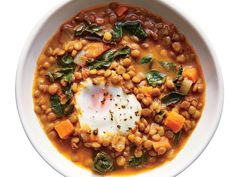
pixel 46 28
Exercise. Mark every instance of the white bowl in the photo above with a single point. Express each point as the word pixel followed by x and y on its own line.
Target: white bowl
pixel 46 28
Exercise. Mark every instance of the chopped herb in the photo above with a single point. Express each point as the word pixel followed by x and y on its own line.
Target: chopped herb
pixel 172 98
pixel 106 59
pixel 168 65
pixel 146 59
pixel 177 137
pixel 102 162
pixel 178 74
pixel 132 27
pixel 155 78
pixel 136 161
pixel 60 109
pixel 89 31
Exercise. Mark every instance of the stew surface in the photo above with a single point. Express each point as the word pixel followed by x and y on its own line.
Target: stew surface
pixel 118 90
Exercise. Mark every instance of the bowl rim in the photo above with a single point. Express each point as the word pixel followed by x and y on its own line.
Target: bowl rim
pixel 166 3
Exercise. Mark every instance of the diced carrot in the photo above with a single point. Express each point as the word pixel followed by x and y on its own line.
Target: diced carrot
pixel 93 50
pixel 120 10
pixel 191 73
pixel 174 121
pixel 64 129
pixel 163 142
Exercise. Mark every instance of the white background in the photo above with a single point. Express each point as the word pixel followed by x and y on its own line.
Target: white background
pixel 17 18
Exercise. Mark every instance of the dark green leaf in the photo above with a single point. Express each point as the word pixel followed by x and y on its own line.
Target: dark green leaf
pixel 134 161
pixel 179 73
pixel 168 65
pixel 56 105
pixel 146 59
pixel 91 30
pixel 59 73
pixel 155 78
pixel 135 28
pixel 68 92
pixel 106 59
pixel 68 77
pixel 177 137
pixel 172 98
pixel 66 61
pixel 60 109
pixel 117 32
pixel 102 162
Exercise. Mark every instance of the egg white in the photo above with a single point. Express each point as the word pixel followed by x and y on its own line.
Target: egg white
pixel 106 108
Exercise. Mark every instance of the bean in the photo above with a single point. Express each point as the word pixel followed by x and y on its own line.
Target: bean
pixel 181 58
pixel 51 117
pixel 131 137
pixel 74 87
pixel 126 62
pixel 138 141
pixel 197 115
pixel 177 46
pixel 107 73
pixel 49 127
pixel 120 161
pixel 52 135
pixel 138 153
pixel 147 101
pixel 53 88
pixel 38 110
pixel 93 72
pixel 116 79
pixel 43 88
pixel 185 105
pixel 126 76
pixel 155 92
pixel 161 150
pixel 152 153
pixel 52 60
pixel 78 45
pixel 120 69
pixel 135 53
pixel 107 36
pixel 136 80
pixel 192 110
pixel 147 144
pixel 146 112
pixel 36 93
pixel 156 137
pixel 161 131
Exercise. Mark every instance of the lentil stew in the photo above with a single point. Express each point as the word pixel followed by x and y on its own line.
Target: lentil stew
pixel 118 90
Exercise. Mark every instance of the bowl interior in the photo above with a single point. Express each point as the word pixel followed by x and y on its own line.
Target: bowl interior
pixel 46 28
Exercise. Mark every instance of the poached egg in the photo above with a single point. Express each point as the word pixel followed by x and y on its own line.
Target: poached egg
pixel 106 108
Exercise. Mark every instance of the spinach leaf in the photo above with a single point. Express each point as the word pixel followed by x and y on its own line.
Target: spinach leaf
pixel 177 137
pixel 68 92
pixel 59 73
pixel 155 78
pixel 132 27
pixel 68 77
pixel 85 29
pixel 135 28
pixel 168 65
pixel 172 98
pixel 106 59
pixel 66 61
pixel 145 60
pixel 102 162
pixel 56 105
pixel 60 109
pixel 136 161
pixel 179 73
pixel 117 32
